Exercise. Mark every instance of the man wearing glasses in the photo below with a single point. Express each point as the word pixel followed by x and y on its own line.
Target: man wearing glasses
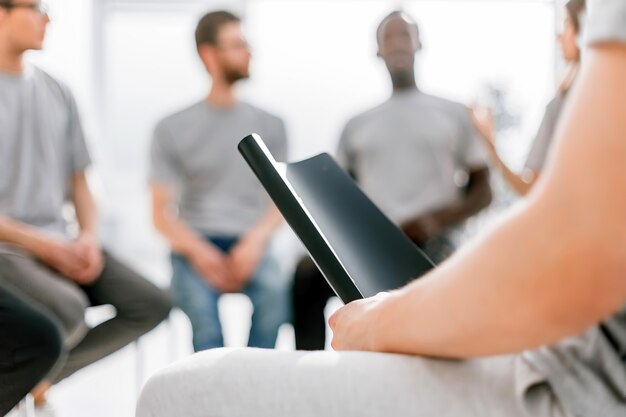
pixel 43 159
pixel 208 204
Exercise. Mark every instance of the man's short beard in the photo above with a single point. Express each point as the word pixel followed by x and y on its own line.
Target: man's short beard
pixel 232 76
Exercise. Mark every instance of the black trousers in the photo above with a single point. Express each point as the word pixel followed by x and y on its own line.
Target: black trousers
pixel 311 293
pixel 30 345
pixel 139 306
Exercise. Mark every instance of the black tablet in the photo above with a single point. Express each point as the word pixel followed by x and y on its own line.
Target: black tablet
pixel 357 248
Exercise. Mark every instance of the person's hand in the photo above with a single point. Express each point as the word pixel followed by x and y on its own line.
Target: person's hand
pixel 420 229
pixel 352 324
pixel 88 247
pixel 210 263
pixel 63 257
pixel 484 124
pixel 243 260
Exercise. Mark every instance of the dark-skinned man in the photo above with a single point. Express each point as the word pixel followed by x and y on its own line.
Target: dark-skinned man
pixel 406 154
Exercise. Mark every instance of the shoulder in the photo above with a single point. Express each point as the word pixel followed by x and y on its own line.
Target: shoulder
pixel 177 120
pixel 365 117
pixel 53 85
pixel 448 106
pixel 180 116
pixel 262 114
pixel 270 126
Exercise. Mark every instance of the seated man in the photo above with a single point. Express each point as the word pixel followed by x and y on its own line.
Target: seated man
pixel 43 158
pixel 208 204
pixel 555 267
pixel 406 154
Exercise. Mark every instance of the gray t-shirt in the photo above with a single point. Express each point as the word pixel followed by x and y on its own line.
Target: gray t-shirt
pixel 588 373
pixel 41 146
pixel 407 153
pixel 195 152
pixel 607 21
pixel 541 145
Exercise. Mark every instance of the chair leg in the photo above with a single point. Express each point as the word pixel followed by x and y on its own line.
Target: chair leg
pixel 139 367
pixel 26 407
pixel 172 338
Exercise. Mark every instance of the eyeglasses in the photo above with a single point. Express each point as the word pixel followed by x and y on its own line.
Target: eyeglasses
pixel 39 7
pixel 241 45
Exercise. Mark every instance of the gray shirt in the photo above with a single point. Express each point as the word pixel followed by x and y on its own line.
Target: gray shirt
pixel 545 134
pixel 588 373
pixel 407 152
pixel 41 146
pixel 607 21
pixel 195 152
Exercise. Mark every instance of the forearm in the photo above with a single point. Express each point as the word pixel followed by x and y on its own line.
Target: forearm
pixel 265 227
pixel 21 235
pixel 182 238
pixel 512 290
pixel 477 197
pixel 85 206
pixel 514 180
pixel 549 270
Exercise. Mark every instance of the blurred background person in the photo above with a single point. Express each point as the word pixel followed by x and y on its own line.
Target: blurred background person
pixel 208 204
pixel 43 163
pixel 569 41
pixel 406 154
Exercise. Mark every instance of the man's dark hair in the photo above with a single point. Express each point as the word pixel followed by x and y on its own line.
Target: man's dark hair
pixel 209 26
pixel 401 14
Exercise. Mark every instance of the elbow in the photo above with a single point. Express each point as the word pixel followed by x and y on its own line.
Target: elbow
pixel 593 286
pixel 601 249
pixel 609 286
pixel 578 252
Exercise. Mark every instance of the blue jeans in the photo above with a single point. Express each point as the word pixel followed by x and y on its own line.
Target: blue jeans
pixel 268 291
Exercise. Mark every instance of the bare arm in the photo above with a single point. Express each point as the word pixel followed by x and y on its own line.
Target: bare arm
pixel 86 211
pixel 477 196
pixel 521 184
pixel 87 245
pixel 23 236
pixel 206 259
pixel 80 261
pixel 265 227
pixel 246 256
pixel 32 240
pixel 181 237
pixel 551 269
